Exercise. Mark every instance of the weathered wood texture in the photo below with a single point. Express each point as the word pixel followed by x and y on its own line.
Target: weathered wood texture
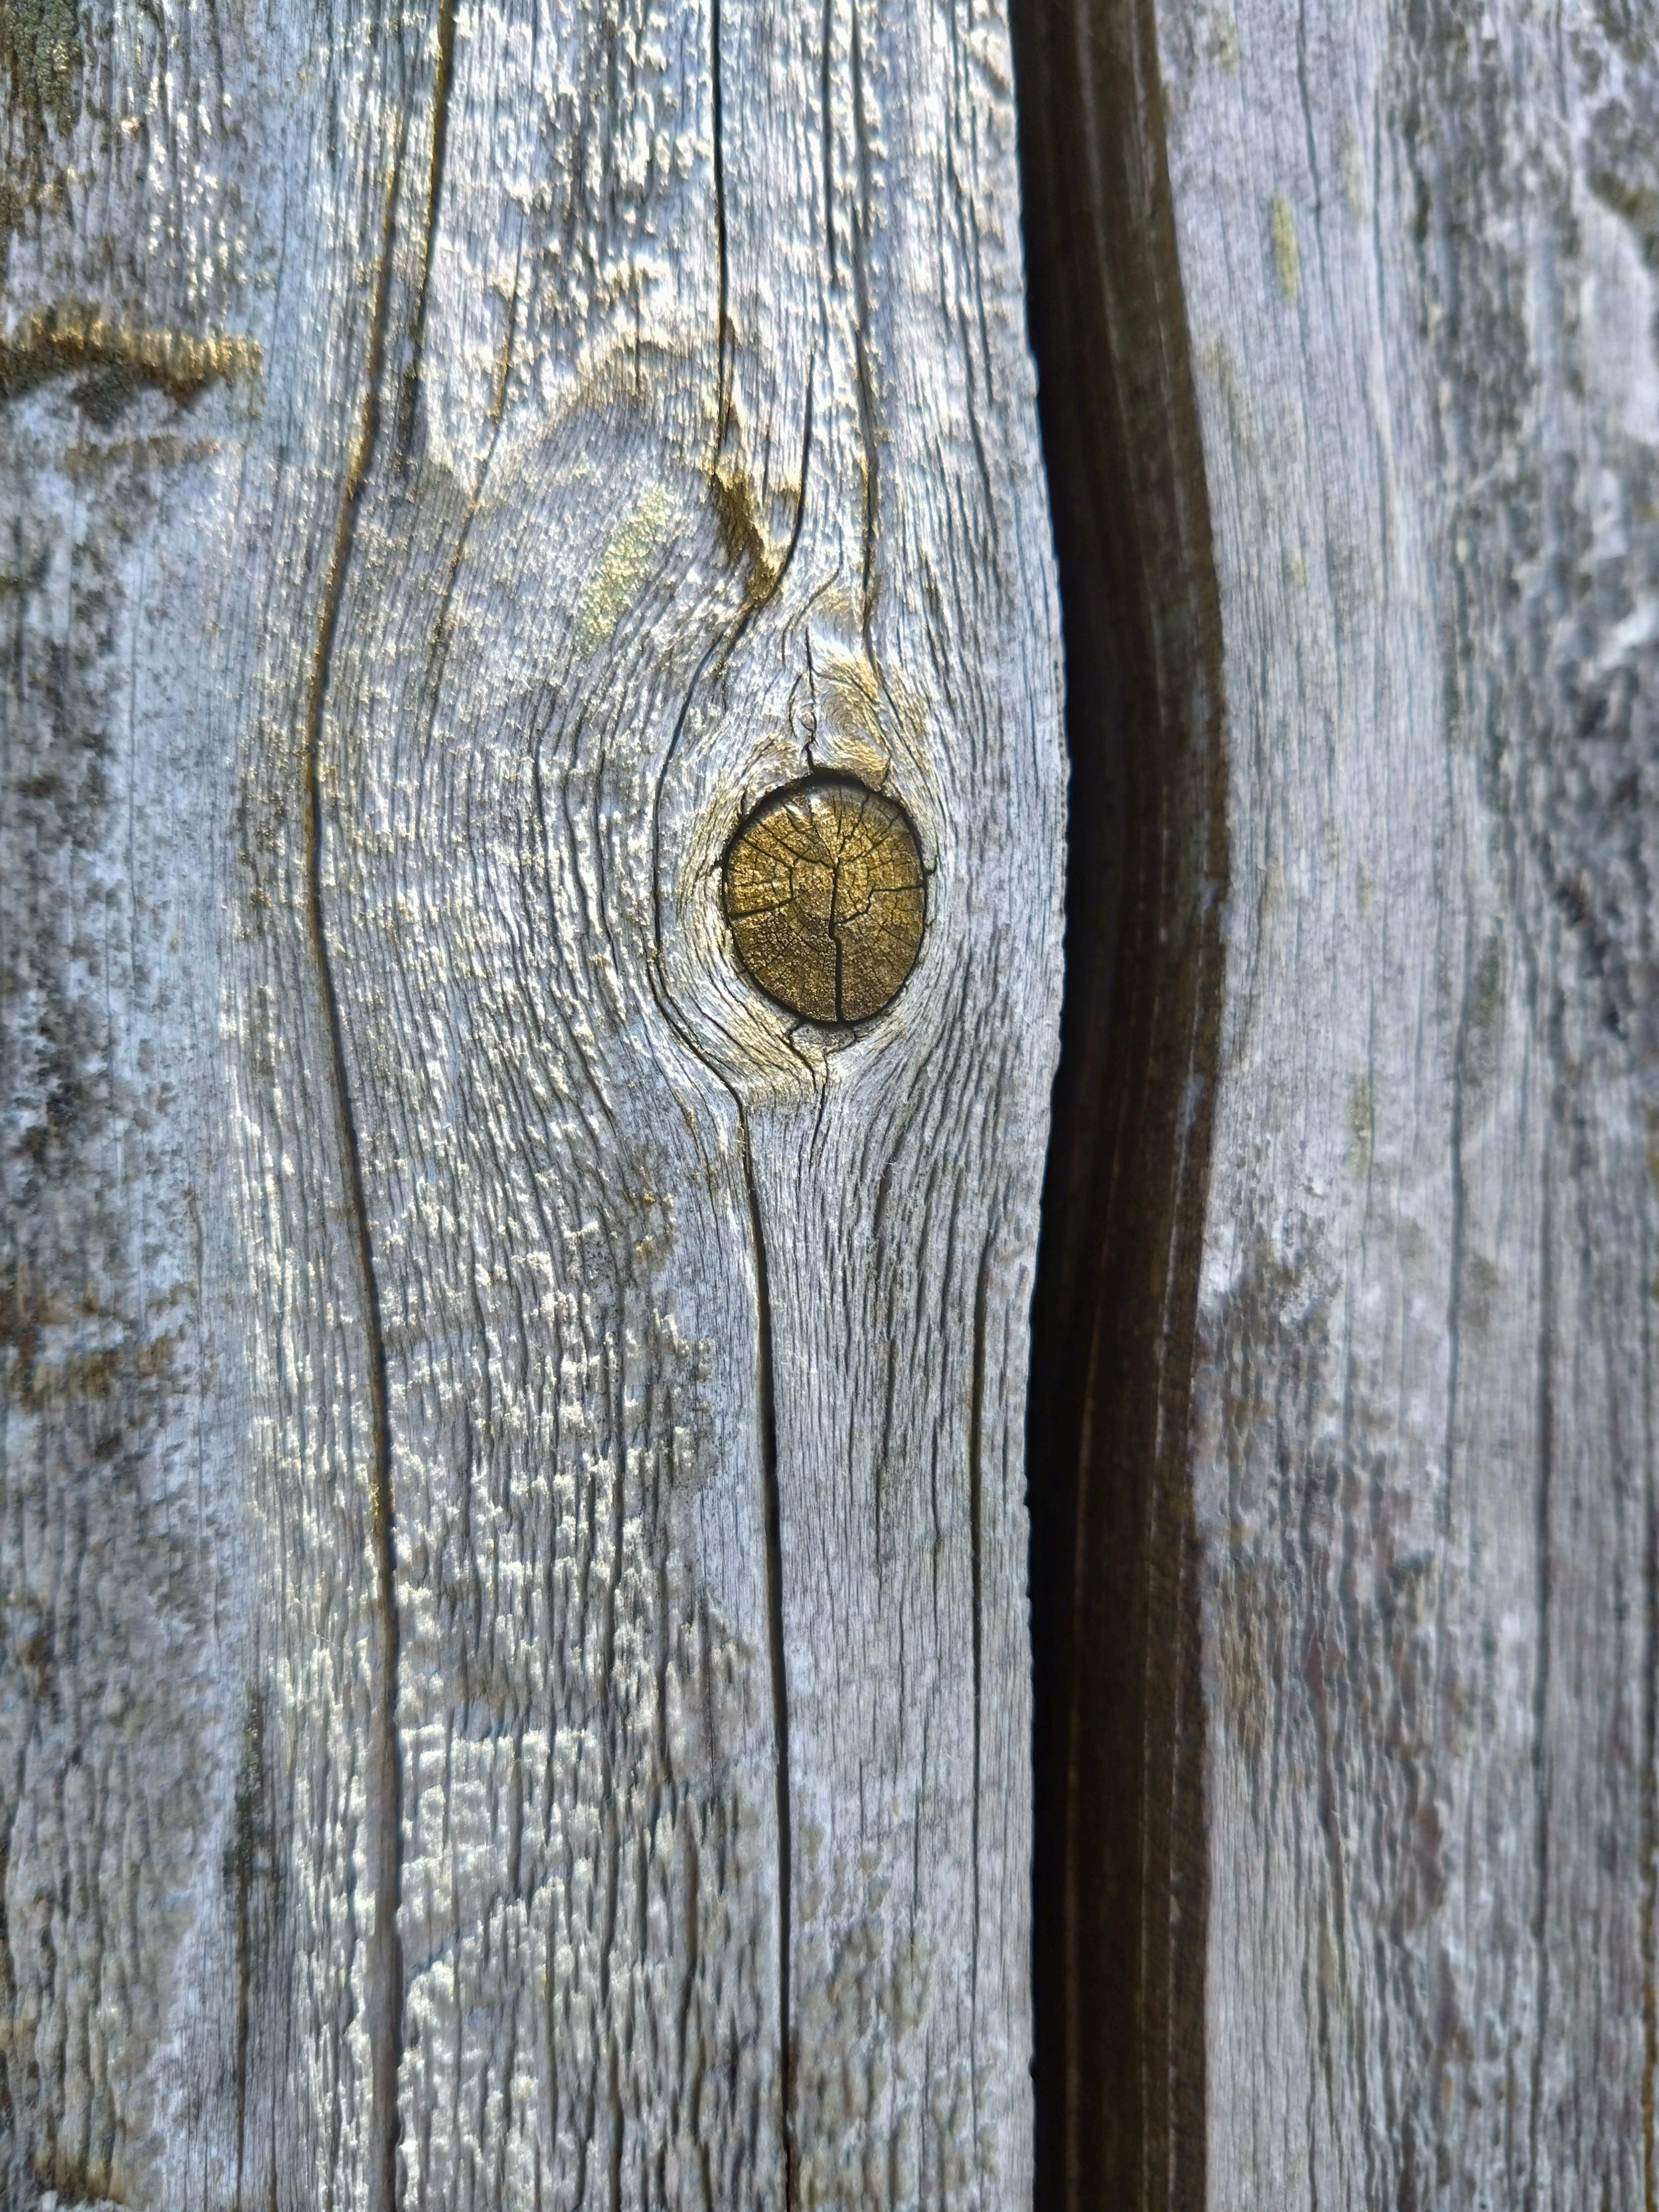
pixel 514 1687
pixel 1417 253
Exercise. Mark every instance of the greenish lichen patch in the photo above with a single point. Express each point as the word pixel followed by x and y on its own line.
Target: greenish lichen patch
pixel 41 61
pixel 1352 164
pixel 1623 170
pixel 40 58
pixel 1286 259
pixel 1222 44
pixel 611 588
pixel 106 1372
pixel 1484 1015
pixel 1362 1124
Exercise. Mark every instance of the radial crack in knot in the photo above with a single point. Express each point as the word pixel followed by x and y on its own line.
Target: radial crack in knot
pixel 826 897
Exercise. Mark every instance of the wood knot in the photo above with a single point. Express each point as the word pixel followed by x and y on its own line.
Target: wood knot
pixel 826 897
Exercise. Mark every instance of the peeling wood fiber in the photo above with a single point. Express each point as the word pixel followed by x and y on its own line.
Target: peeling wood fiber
pixel 513 1678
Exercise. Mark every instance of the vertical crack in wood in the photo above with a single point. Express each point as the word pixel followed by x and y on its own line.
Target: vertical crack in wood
pixel 249 1789
pixel 1445 1692
pixel 8 2127
pixel 385 1976
pixel 442 71
pixel 1181 2178
pixel 1542 1680
pixel 1649 1728
pixel 864 373
pixel 722 278
pixel 766 1423
pixel 438 657
pixel 976 1566
pixel 767 1415
pixel 1455 1239
pixel 720 649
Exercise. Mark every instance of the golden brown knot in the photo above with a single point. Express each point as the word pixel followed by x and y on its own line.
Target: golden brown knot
pixel 826 898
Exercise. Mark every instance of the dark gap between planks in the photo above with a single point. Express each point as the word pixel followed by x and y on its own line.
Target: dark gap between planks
pixel 1119 1905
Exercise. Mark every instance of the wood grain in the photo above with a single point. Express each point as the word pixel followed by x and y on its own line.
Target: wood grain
pixel 189 1662
pixel 513 1477
pixel 1418 262
pixel 1403 262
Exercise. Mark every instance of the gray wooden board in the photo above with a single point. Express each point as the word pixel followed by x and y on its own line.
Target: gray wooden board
pixel 1421 270
pixel 514 1685
pixel 188 1671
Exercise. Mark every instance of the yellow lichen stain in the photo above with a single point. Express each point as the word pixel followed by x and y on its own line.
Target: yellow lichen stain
pixel 611 588
pixel 87 464
pixel 1354 172
pixel 1362 1125
pixel 1222 44
pixel 656 1209
pixel 852 715
pixel 40 59
pixel 847 695
pixel 1286 256
pixel 72 336
pixel 98 2182
pixel 103 1373
pixel 1217 362
pixel 76 2181
pixel 27 1306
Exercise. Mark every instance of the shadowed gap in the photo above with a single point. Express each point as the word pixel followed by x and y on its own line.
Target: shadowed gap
pixel 1119 1899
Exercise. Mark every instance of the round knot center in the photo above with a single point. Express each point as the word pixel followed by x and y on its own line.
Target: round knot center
pixel 826 897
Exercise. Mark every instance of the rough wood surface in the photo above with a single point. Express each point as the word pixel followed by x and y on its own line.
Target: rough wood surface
pixel 1420 255
pixel 1404 259
pixel 513 1687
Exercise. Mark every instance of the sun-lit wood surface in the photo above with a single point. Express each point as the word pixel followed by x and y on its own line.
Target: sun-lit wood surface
pixel 1380 289
pixel 514 1689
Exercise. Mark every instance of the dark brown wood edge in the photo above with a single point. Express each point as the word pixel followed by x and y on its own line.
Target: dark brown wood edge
pixel 1121 1863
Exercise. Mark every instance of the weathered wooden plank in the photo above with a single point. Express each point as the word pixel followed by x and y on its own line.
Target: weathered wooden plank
pixel 1416 255
pixel 190 1675
pixel 1405 264
pixel 597 1400
pixel 705 1354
